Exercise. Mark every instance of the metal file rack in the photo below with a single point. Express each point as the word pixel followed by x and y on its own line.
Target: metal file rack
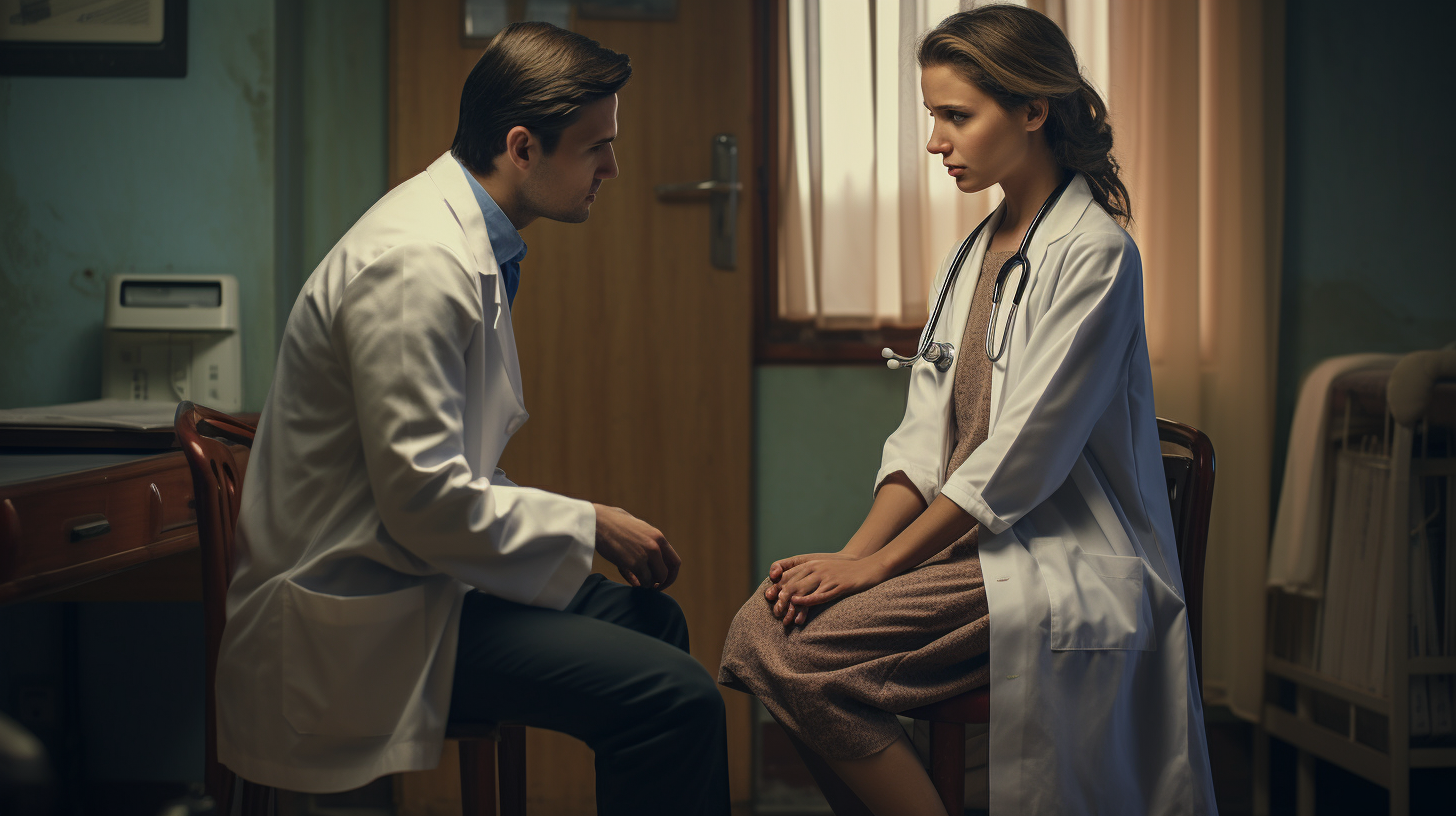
pixel 1366 733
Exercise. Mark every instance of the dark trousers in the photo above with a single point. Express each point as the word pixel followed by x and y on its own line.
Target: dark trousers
pixel 612 670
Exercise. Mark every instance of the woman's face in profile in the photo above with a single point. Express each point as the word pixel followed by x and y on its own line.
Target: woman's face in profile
pixel 979 142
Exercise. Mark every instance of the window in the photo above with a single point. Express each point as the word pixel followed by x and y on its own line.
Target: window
pixel 858 216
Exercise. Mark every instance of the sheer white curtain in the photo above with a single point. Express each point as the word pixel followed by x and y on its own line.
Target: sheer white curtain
pixel 867 214
pixel 1197 115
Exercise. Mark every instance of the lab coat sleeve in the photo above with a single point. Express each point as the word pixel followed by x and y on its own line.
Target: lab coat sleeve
pixel 1074 361
pixel 403 327
pixel 914 448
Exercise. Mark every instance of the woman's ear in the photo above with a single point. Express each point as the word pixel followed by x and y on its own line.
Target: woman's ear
pixel 1036 113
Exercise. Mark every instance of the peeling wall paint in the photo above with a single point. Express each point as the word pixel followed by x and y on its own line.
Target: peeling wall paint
pixel 100 176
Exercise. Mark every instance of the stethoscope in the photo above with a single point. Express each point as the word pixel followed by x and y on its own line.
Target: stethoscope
pixel 943 354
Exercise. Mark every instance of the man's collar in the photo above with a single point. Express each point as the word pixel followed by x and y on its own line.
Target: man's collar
pixel 505 241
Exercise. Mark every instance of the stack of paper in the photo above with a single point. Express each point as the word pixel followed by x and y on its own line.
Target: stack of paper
pixel 1355 623
pixel 106 413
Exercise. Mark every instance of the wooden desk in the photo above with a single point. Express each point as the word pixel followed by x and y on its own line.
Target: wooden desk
pixel 72 514
pixel 63 529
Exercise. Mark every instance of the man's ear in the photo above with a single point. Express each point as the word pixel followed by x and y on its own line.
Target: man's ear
pixel 522 149
pixel 1036 113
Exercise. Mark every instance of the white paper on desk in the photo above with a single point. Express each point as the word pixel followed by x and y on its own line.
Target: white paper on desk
pixel 105 413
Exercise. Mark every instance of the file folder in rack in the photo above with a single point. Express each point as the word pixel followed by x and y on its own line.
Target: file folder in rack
pixel 1356 678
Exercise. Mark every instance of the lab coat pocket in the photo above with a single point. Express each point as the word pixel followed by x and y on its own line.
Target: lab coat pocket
pixel 351 663
pixel 1097 601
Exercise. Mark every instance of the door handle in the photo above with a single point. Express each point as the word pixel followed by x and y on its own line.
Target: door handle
pixel 722 191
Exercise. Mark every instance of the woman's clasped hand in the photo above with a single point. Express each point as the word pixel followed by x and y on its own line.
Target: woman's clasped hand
pixel 817 578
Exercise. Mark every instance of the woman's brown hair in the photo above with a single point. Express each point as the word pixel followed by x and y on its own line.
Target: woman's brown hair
pixel 1015 55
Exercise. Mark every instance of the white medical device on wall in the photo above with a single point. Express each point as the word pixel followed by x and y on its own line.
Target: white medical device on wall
pixel 169 338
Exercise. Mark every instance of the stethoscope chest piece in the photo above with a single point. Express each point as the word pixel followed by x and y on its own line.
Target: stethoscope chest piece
pixel 941 354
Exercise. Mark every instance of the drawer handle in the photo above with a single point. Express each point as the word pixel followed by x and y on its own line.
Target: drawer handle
pixel 9 524
pixel 93 527
pixel 156 502
pixel 9 539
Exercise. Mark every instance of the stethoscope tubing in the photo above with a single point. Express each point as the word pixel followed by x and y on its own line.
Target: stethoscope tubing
pixel 1021 259
pixel 943 352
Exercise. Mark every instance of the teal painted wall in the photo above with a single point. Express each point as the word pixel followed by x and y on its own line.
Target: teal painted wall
pixel 345 147
pixel 1367 256
pixel 206 174
pixel 818 435
pixel 100 176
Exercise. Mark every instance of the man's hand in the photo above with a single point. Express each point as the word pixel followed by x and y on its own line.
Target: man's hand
pixel 639 551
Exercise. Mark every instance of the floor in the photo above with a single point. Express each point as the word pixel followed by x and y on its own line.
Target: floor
pixel 788 789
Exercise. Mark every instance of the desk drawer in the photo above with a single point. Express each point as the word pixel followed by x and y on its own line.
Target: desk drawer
pixel 65 522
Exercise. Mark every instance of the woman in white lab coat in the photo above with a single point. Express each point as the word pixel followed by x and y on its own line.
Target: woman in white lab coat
pixel 1020 533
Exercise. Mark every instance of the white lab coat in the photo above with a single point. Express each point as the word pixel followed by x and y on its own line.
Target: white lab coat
pixel 1094 700
pixel 372 502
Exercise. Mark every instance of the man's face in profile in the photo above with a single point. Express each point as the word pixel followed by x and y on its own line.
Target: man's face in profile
pixel 564 185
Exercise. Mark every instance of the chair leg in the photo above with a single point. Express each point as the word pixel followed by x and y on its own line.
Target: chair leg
pixel 513 770
pixel 221 786
pixel 258 800
pixel 219 782
pixel 948 765
pixel 477 777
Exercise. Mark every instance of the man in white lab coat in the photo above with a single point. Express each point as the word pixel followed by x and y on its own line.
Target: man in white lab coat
pixel 390 578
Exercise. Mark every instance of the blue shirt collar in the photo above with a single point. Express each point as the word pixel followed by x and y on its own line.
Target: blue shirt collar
pixel 505 241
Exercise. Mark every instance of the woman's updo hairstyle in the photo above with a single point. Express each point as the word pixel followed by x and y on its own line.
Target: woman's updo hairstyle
pixel 1014 55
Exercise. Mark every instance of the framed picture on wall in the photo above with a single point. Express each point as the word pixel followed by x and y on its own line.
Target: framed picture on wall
pixel 483 19
pixel 93 38
pixel 628 9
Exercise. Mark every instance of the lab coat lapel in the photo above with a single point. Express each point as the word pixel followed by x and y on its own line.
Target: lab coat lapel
pixel 448 177
pixel 1059 222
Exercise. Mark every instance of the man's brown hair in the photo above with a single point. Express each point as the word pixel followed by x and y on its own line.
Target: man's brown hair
pixel 537 76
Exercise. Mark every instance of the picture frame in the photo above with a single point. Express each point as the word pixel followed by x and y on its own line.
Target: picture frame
pixel 664 10
pixel 93 38
pixel 481 20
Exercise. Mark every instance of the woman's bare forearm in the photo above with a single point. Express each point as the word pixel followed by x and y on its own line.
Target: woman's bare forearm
pixel 930 532
pixel 897 503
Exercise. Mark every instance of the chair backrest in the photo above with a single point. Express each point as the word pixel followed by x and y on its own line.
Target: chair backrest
pixel 1188 464
pixel 210 440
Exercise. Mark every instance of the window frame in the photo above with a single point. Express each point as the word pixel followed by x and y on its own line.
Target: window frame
pixel 776 340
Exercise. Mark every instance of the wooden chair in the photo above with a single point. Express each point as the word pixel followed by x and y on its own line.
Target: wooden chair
pixel 217 448
pixel 1188 464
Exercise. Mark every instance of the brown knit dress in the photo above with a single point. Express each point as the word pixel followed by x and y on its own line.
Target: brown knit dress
pixel 917 638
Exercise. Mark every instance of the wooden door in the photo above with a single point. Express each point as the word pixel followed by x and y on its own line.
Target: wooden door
pixel 635 352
